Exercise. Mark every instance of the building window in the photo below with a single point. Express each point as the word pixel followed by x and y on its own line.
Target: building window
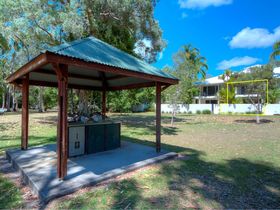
pixel 210 91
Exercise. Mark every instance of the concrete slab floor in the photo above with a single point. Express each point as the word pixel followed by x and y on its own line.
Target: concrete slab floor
pixel 38 167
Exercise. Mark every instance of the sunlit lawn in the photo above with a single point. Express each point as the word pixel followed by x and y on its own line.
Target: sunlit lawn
pixel 42 130
pixel 227 162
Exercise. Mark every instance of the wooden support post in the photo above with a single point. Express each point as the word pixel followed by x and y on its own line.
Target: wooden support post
pixel 62 128
pixel 158 116
pixel 25 112
pixel 104 87
pixel 104 104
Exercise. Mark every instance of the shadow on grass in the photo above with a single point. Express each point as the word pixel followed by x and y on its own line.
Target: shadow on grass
pixel 191 182
pixel 49 120
pixel 262 121
pixel 237 183
pixel 144 122
pixel 7 125
pixel 8 142
pixel 167 147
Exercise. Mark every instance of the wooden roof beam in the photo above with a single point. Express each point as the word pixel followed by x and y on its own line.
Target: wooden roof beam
pixel 54 58
pixel 116 77
pixel 133 86
pixel 36 63
pixel 70 75
pixel 54 84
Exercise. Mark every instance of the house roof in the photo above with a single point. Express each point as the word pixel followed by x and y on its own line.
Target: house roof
pixel 86 59
pixel 211 81
pixel 216 80
pixel 276 72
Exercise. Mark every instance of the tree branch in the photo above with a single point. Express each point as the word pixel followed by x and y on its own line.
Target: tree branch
pixel 43 29
pixel 24 45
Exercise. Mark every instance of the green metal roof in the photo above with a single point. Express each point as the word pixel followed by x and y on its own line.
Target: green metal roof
pixel 92 49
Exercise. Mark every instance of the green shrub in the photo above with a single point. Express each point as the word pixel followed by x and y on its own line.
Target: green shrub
pixel 253 112
pixel 151 108
pixel 206 111
pixel 189 112
pixel 198 112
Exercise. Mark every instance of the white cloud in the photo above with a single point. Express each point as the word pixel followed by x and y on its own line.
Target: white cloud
pixel 160 55
pixel 184 15
pixel 141 46
pixel 237 61
pixel 255 38
pixel 201 4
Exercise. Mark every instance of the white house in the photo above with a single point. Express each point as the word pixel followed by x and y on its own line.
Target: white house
pixel 209 91
pixel 210 87
pixel 276 72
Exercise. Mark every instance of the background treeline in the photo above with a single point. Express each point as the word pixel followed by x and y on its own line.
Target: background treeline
pixel 30 26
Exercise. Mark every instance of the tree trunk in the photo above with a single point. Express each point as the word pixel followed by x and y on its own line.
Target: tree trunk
pixel 258 110
pixel 83 108
pixel 8 101
pixel 89 15
pixel 172 118
pixel 72 106
pixel 41 107
pixel 3 99
pixel 258 118
pixel 15 101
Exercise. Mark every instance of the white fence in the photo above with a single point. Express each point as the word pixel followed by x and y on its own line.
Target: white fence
pixel 185 108
pixel 270 109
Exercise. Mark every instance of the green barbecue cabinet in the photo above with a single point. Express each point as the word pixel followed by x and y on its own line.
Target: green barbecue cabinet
pixel 93 137
pixel 102 137
pixel 112 136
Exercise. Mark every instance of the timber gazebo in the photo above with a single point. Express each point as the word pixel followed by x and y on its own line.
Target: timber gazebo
pixel 88 64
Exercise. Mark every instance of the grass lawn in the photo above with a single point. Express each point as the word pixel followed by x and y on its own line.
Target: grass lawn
pixel 226 162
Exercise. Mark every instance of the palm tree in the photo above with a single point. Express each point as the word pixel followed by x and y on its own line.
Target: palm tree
pixel 199 62
pixel 276 50
pixel 227 75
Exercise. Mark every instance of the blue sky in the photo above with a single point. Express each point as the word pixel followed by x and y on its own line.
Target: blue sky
pixel 229 33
